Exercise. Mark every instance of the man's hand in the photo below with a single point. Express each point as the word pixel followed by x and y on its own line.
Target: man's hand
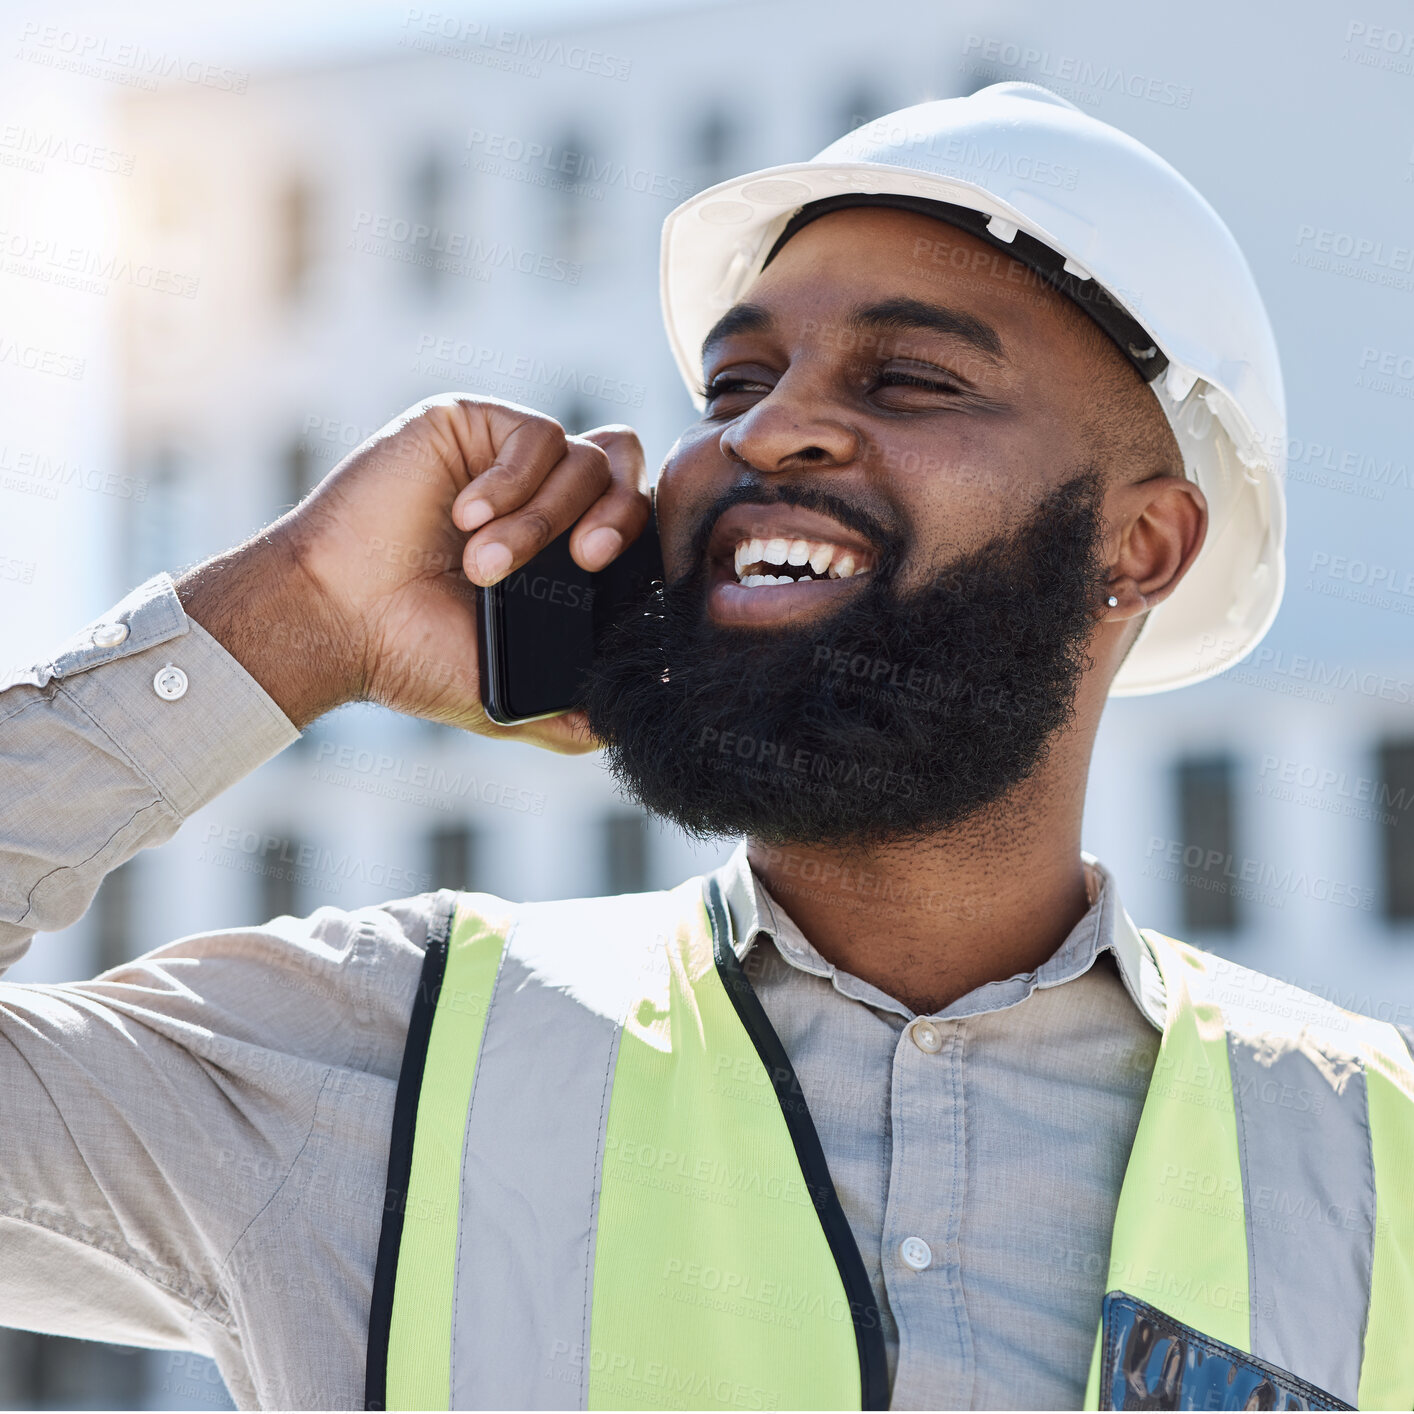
pixel 358 594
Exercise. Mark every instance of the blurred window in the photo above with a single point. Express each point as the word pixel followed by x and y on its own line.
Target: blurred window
pixel 155 525
pixel 1396 794
pixel 54 1372
pixel 301 474
pixel 625 837
pixel 861 104
pixel 430 203
pixel 712 144
pixel 452 856
pixel 279 885
pixel 571 185
pixel 296 238
pixel 114 914
pixel 1205 810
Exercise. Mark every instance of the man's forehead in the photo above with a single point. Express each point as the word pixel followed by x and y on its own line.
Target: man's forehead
pixel 895 314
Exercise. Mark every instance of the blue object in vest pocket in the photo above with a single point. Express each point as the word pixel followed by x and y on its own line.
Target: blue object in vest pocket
pixel 1150 1361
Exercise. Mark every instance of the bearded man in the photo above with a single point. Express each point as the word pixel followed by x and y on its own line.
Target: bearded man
pixel 897 1108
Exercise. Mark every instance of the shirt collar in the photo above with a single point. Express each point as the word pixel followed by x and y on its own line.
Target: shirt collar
pixel 1105 926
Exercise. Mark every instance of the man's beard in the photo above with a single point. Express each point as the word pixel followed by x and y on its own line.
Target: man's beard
pixel 896 717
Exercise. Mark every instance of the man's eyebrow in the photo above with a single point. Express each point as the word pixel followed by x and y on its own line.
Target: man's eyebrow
pixel 902 315
pixel 739 319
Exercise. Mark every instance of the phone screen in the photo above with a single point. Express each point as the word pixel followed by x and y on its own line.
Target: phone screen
pixel 539 626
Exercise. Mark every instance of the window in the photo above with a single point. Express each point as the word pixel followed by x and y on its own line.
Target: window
pixel 625 853
pixel 296 238
pixel 1205 810
pixel 54 1372
pixel 301 474
pixel 279 877
pixel 114 916
pixel 430 181
pixel 155 526
pixel 712 144
pixel 573 170
pixel 1395 795
pixel 861 105
pixel 452 857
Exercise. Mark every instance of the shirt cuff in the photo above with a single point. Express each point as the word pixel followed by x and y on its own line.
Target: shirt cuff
pixel 182 709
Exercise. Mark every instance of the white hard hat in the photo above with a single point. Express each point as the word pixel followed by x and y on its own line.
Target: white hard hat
pixel 1100 217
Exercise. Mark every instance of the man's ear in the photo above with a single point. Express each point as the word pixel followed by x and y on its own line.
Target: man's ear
pixel 1155 530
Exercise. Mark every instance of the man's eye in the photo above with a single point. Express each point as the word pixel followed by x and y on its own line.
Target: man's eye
pixel 724 383
pixel 894 379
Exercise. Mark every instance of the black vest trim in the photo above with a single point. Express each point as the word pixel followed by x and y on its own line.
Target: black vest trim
pixel 424 1008
pixel 868 1323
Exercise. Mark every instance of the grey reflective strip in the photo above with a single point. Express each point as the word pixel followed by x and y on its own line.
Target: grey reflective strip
pixel 534 1151
pixel 1308 1180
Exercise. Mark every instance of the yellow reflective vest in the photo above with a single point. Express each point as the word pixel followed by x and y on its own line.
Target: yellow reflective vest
pixel 605 1190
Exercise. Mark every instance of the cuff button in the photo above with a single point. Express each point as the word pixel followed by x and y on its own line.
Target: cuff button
pixel 109 635
pixel 170 683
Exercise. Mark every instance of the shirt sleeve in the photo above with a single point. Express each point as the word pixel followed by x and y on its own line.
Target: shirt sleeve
pixel 137 722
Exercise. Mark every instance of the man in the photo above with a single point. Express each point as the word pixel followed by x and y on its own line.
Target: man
pixel 898 1105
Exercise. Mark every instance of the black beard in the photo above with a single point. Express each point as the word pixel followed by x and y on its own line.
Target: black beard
pixel 897 717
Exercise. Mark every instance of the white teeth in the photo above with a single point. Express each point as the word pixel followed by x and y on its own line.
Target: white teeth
pixel 741 558
pixel 799 553
pixel 842 568
pixel 755 551
pixel 775 552
pixel 820 560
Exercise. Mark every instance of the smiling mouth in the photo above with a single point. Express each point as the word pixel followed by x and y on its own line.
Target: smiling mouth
pixel 759 562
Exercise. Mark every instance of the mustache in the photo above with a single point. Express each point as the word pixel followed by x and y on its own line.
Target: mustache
pixel 759 491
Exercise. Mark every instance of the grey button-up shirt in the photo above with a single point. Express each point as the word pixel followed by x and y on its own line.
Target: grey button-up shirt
pixel 196 1142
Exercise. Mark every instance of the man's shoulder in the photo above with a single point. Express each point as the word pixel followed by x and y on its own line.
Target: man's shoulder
pixel 1253 999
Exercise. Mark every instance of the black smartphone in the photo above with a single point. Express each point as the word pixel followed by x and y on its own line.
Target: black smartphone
pixel 539 627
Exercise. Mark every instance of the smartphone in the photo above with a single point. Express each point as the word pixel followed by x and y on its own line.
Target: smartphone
pixel 539 627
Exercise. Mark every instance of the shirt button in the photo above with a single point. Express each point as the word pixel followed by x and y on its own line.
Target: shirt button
pixel 916 1253
pixel 926 1036
pixel 109 635
pixel 170 683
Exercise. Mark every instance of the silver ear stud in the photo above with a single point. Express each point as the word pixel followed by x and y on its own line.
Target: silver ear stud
pixel 1112 602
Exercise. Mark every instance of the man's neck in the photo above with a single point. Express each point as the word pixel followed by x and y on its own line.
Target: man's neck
pixel 928 921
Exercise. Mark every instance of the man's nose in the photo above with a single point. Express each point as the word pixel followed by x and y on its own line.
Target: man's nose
pixel 791 428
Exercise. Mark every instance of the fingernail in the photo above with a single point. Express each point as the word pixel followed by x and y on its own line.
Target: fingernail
pixel 600 546
pixel 492 561
pixel 475 514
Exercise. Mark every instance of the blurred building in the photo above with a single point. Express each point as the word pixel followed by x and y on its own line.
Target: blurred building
pixel 478 208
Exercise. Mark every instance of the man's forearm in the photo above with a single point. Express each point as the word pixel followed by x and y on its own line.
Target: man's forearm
pixel 105 749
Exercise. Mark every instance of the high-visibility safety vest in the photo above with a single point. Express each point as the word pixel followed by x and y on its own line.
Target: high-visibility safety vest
pixel 605 1189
